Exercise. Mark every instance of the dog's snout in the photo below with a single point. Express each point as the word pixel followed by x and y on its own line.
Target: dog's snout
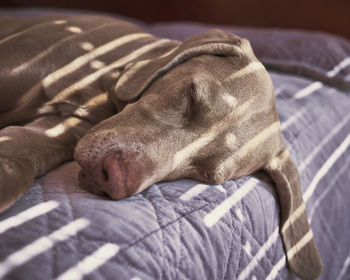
pixel 117 175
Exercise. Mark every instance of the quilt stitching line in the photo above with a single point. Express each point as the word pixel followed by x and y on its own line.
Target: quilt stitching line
pixel 267 259
pixel 258 242
pixel 240 248
pixel 231 249
pixel 172 222
pixel 180 235
pixel 181 252
pixel 159 222
pixel 176 264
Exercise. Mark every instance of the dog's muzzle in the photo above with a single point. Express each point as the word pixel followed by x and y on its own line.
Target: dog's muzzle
pixel 117 175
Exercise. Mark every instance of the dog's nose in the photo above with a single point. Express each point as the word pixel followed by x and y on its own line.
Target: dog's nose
pixel 118 175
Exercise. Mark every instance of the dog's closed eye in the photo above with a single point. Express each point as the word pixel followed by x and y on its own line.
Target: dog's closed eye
pixel 190 99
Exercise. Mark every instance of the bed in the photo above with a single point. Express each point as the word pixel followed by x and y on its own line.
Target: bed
pixel 185 229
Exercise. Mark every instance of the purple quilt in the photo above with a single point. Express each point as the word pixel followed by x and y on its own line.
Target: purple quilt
pixel 188 230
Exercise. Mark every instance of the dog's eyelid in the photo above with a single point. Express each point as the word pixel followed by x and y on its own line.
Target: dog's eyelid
pixel 190 93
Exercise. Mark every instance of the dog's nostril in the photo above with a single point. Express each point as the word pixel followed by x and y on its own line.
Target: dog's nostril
pixel 105 176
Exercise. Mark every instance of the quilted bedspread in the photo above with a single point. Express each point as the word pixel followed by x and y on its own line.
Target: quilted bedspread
pixel 188 230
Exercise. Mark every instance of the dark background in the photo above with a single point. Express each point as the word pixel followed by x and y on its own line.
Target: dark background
pixel 325 15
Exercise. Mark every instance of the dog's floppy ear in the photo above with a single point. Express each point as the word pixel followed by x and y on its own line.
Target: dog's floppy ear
pixel 139 75
pixel 302 254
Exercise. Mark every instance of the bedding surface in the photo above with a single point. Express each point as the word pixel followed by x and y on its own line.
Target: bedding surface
pixel 188 230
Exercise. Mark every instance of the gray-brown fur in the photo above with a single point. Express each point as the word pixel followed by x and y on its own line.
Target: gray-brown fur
pixel 143 111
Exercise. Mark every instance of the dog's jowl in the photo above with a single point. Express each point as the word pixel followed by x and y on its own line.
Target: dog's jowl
pixel 134 109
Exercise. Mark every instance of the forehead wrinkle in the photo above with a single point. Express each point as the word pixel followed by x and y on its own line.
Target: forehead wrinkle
pixel 248 69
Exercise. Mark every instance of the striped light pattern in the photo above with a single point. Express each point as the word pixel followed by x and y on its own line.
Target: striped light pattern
pixel 41 245
pixel 27 215
pixel 90 263
pixel 109 250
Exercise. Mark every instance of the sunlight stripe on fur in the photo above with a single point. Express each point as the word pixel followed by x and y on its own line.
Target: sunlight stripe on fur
pixel 137 66
pixel 87 46
pixel 192 148
pixel 21 32
pixel 90 263
pixel 29 214
pixel 97 64
pixel 62 127
pixel 277 161
pixel 294 216
pixel 84 59
pixel 257 140
pixel 230 100
pixel 300 245
pixel 60 21
pixel 41 245
pixel 83 111
pixel 94 76
pixel 74 29
pixel 250 68
pixel 4 138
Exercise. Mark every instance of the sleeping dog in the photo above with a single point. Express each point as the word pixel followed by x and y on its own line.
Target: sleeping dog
pixel 134 109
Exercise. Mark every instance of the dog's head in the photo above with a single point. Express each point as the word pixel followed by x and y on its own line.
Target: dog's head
pixel 196 112
pixel 206 111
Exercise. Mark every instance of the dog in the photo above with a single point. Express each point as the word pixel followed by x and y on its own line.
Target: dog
pixel 134 109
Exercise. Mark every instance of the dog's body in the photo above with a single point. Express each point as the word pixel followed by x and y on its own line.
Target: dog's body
pixel 149 109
